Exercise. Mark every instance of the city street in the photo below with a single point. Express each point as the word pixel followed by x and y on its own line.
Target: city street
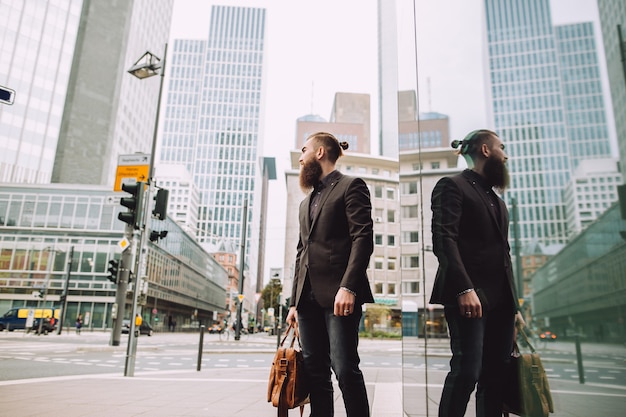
pixel 236 372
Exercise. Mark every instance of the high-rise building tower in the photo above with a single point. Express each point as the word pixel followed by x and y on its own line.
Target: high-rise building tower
pixel 37 43
pixel 544 105
pixel 212 122
pixel 583 101
pixel 613 21
pixel 349 122
pixel 387 79
pixel 108 112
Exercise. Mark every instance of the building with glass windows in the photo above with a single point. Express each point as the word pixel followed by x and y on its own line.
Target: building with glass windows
pixel 547 106
pixel 591 190
pixel 37 45
pixel 109 112
pixel 76 109
pixel 60 238
pixel 583 98
pixel 613 22
pixel 349 122
pixel 580 291
pixel 212 123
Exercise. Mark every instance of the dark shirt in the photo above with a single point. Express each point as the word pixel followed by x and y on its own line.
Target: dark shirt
pixel 493 197
pixel 319 189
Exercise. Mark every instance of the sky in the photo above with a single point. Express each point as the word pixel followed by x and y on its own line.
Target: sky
pixel 316 48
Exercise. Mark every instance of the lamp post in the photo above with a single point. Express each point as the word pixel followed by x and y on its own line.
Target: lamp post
pixel 66 289
pixel 146 66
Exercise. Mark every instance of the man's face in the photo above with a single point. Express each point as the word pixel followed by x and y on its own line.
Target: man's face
pixel 310 167
pixel 495 168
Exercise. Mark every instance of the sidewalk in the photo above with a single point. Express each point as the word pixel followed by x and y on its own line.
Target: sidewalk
pixel 242 392
pixel 238 392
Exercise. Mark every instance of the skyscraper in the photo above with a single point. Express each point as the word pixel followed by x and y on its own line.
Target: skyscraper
pixel 545 107
pixel 212 119
pixel 107 111
pixel 387 78
pixel 349 122
pixel 76 109
pixel 613 21
pixel 37 42
pixel 583 101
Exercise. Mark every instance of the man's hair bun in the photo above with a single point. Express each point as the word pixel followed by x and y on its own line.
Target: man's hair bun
pixel 344 145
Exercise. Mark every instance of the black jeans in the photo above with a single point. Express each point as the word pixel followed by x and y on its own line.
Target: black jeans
pixel 329 341
pixel 480 350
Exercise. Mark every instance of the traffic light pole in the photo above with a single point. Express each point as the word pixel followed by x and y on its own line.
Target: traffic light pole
pixel 123 278
pixel 66 290
pixel 140 236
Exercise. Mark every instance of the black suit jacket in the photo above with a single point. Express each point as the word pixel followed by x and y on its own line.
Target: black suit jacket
pixel 334 247
pixel 470 240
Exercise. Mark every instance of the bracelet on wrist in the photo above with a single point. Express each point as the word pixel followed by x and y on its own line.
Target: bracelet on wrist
pixel 465 292
pixel 348 290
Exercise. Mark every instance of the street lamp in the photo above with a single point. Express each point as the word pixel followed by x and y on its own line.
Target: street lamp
pixel 146 66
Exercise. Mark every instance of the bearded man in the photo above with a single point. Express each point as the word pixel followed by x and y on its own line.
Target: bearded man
pixel 330 282
pixel 474 280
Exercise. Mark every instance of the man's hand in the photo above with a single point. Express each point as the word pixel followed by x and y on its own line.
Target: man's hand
pixel 469 305
pixel 344 303
pixel 292 317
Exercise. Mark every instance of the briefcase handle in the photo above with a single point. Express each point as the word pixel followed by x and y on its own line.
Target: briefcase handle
pixel 295 335
pixel 520 330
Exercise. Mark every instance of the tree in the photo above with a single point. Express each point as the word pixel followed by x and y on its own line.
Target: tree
pixel 270 294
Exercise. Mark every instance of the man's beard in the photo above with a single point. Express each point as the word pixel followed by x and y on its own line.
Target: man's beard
pixel 310 174
pixel 497 174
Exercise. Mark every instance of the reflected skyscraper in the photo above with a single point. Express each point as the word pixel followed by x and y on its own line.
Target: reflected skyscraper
pixel 212 120
pixel 546 104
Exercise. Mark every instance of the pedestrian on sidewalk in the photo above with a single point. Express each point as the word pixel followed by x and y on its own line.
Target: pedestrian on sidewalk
pixel 474 280
pixel 330 281
pixel 79 323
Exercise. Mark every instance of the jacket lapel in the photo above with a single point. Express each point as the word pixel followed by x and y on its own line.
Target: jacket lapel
pixel 329 190
pixel 305 212
pixel 487 201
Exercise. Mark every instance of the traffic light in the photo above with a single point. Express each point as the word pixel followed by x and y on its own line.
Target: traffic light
pixel 134 215
pixel 114 265
pixel 160 204
pixel 155 235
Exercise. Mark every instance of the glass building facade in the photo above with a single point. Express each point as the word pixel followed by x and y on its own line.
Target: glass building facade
pixel 583 101
pixel 212 121
pixel 547 108
pixel 37 43
pixel 41 226
pixel 580 291
pixel 613 16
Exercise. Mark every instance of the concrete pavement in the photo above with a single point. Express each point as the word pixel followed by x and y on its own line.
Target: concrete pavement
pixel 241 392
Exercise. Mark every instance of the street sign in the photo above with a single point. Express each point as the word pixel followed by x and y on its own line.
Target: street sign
pixel 240 296
pixel 131 169
pixel 123 244
pixel 7 96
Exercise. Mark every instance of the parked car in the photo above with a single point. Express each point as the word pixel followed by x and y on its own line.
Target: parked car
pixel 547 335
pixel 144 328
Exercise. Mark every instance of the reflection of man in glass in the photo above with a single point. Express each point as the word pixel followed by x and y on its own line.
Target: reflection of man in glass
pixel 330 280
pixel 474 281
